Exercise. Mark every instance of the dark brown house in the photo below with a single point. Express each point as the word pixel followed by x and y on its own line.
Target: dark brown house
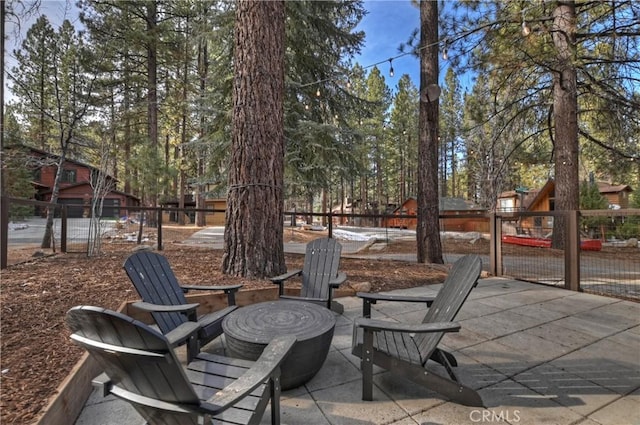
pixel 75 186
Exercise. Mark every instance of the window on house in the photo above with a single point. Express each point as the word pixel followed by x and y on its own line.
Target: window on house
pixel 68 176
pixel 507 205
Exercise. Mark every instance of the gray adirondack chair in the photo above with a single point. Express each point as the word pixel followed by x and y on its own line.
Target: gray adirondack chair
pixel 320 275
pixel 404 349
pixel 164 298
pixel 141 367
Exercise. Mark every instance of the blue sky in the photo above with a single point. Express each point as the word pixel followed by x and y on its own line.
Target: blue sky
pixel 388 24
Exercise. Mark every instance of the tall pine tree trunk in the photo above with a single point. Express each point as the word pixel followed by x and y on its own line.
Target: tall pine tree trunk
pixel 428 228
pixel 565 114
pixel 203 73
pixel 254 229
pixel 152 88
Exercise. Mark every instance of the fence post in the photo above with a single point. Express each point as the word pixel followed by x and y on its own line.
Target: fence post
pixel 572 252
pixel 4 232
pixel 330 224
pixel 160 229
pixel 63 229
pixel 495 245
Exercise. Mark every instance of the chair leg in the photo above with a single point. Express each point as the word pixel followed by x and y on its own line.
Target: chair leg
pixel 450 358
pixel 274 385
pixel 366 365
pixel 193 348
pixel 337 307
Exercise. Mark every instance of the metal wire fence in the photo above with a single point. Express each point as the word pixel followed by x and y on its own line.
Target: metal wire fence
pixel 519 247
pixel 609 255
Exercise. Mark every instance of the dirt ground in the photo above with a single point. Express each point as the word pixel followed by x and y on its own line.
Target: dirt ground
pixel 37 354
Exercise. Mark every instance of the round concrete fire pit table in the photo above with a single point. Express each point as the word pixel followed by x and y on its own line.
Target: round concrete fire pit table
pixel 249 329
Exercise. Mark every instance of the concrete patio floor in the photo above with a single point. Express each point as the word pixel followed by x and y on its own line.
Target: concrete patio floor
pixel 537 355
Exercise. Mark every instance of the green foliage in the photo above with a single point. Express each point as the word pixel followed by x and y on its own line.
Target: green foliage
pixel 17 177
pixel 629 229
pixel 591 198
pixel 451 137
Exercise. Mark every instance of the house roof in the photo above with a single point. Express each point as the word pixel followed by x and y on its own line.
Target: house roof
pixel 447 204
pixel 456 204
pixel 605 187
pixel 71 160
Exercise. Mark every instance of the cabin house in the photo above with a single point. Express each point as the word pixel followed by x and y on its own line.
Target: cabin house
pixel 616 195
pixel 543 199
pixel 75 186
pixel 449 208
pixel 212 218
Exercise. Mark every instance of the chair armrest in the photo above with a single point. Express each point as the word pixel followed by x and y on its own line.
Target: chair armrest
pixel 182 333
pixel 224 288
pixel 372 298
pixel 162 308
pixel 384 325
pixel 279 280
pixel 404 298
pixel 338 280
pixel 230 290
pixel 265 367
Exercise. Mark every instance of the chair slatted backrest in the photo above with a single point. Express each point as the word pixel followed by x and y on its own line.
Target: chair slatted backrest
pixel 138 360
pixel 461 279
pixel 155 282
pixel 321 263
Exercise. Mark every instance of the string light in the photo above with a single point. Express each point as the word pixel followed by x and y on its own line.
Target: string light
pixel 415 51
pixel 526 30
pixel 390 60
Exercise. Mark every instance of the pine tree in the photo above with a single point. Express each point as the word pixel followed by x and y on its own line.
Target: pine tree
pixel 543 62
pixel 428 228
pixel 253 226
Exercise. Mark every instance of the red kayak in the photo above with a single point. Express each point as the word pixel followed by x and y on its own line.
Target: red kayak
pixel 585 244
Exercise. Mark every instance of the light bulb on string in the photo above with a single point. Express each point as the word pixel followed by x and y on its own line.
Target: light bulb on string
pixel 318 92
pixel 445 54
pixel 390 67
pixel 526 29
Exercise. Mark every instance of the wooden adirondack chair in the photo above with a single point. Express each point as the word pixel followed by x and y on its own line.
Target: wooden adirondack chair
pixel 320 275
pixel 141 367
pixel 164 298
pixel 404 349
